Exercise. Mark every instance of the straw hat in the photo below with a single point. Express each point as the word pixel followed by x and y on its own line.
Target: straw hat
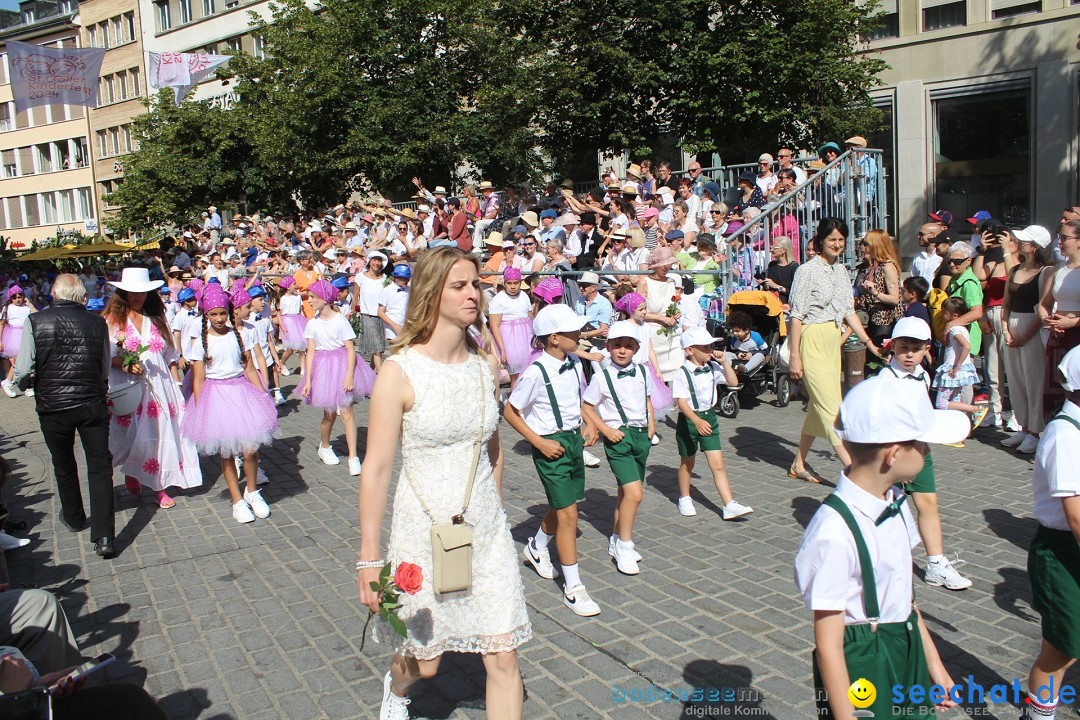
pixel 660 257
pixel 495 239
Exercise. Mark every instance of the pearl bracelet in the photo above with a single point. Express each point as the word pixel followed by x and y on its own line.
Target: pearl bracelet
pixel 369 564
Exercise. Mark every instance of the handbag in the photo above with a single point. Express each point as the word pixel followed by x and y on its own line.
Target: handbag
pixel 125 398
pixel 451 543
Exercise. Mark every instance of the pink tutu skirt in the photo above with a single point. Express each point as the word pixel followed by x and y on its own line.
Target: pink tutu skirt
pixel 188 385
pixel 328 380
pixel 12 339
pixel 662 400
pixel 292 332
pixel 517 336
pixel 231 417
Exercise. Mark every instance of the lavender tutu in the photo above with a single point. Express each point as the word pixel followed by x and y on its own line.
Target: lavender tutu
pixel 292 332
pixel 662 400
pixel 517 335
pixel 231 417
pixel 188 385
pixel 328 380
pixel 12 339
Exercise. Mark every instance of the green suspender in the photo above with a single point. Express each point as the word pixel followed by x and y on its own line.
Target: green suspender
pixel 551 393
pixel 1066 418
pixel 615 398
pixel 690 382
pixel 870 600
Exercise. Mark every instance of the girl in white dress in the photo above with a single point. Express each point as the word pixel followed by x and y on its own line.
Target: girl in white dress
pixel 510 319
pixel 660 295
pixel 12 319
pixel 435 392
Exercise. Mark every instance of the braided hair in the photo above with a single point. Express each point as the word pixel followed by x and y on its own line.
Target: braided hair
pixel 236 331
pixel 206 346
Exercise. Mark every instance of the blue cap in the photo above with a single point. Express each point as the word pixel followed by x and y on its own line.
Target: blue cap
pixel 979 217
pixel 674 235
pixel 185 295
pixel 521 229
pixel 342 283
pixel 24 277
pixel 401 271
pixel 165 290
pixel 97 304
pixel 214 279
pixel 256 291
pixel 549 213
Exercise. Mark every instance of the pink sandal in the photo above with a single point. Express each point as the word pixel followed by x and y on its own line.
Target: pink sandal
pixel 163 499
pixel 133 486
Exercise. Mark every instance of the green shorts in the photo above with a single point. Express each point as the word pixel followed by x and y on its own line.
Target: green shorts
pixel 1053 559
pixel 627 457
pixel 563 477
pixel 687 438
pixel 924 482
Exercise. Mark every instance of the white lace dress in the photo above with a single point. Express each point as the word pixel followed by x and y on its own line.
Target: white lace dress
pixel 437 437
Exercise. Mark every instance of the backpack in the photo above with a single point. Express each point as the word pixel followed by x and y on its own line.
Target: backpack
pixel 934 301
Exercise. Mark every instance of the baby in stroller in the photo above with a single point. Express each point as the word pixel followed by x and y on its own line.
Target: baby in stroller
pixel 746 348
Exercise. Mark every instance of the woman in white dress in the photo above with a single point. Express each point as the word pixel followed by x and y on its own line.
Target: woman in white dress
pixel 437 393
pixel 661 298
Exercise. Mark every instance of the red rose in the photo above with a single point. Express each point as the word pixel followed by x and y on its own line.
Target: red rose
pixel 408 578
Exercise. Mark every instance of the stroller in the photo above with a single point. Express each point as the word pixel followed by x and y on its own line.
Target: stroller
pixel 767 316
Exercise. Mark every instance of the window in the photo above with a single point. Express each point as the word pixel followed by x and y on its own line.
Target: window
pixel 103 143
pixel 235 45
pixel 983 154
pixel 207 8
pixel 116 29
pixel 43 161
pixel 85 203
pixel 10 168
pixel 125 137
pixel 25 158
pixel 258 46
pixel 121 85
pixel 3 69
pixel 103 34
pixel 129 26
pixel 92 33
pixel 231 4
pixel 7 116
pixel 28 15
pixel 82 155
pixel 114 141
pixel 48 206
pixel 886 21
pixel 67 7
pixel 15 211
pixel 938 14
pixel 136 85
pixel 164 21
pixel 31 211
pixel 66 205
pixel 185 11
pixel 1010 8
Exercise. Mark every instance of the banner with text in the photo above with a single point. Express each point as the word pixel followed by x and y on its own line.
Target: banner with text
pixel 53 76
pixel 182 71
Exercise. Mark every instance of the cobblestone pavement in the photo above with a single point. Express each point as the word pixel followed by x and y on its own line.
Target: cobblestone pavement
pixel 221 620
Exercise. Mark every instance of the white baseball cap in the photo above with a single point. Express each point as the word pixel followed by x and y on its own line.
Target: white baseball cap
pixel 873 412
pixel 623 329
pixel 1070 370
pixel 557 318
pixel 1034 234
pixel 697 336
pixel 911 327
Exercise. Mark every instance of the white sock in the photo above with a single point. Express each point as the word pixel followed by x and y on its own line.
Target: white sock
pixel 935 559
pixel 570 572
pixel 624 545
pixel 1040 711
pixel 542 539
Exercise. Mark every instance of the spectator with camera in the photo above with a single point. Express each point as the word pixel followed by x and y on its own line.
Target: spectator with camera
pixel 999 254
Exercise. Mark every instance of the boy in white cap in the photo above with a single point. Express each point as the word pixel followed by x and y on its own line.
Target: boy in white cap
pixel 910 345
pixel 854 569
pixel 617 403
pixel 694 389
pixel 1054 555
pixel 545 407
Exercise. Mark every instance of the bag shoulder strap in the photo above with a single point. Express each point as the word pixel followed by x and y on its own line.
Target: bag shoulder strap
pixel 1066 418
pixel 615 397
pixel 870 599
pixel 551 395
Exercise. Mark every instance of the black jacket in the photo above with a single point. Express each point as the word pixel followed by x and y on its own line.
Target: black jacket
pixel 70 347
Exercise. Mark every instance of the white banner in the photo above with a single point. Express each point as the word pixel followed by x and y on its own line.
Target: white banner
pixel 182 71
pixel 53 76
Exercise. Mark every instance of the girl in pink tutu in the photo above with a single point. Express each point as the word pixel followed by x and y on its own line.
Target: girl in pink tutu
pixel 632 307
pixel 334 380
pixel 292 322
pixel 16 309
pixel 230 413
pixel 510 320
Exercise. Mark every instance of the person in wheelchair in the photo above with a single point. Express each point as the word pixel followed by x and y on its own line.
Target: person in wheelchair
pixel 746 348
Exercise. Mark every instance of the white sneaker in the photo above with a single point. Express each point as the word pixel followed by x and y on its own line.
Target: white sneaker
pixel 258 505
pixel 326 454
pixel 242 512
pixel 686 507
pixel 8 542
pixel 393 707
pixel 540 560
pixel 944 574
pixel 736 509
pixel 577 599
pixel 29 392
pixel 611 548
pixel 625 559
pixel 655 439
pixel 1012 425
pixel 590 459
pixel 279 399
pixel 1015 439
pixel 354 466
pixel 9 388
pixel 284 371
pixel 1030 444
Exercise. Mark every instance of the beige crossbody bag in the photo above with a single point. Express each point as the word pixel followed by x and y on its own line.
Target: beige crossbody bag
pixel 451 543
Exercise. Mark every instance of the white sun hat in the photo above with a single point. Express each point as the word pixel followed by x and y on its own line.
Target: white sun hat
pixel 136 280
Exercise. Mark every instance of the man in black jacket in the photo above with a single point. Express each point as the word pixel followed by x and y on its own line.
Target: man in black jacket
pixel 66 354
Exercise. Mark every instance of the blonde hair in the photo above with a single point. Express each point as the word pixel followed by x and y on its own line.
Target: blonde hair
pixel 882 247
pixel 425 297
pixel 636 238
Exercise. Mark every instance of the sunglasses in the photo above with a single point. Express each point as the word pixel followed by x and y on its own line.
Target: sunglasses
pixel 528 244
pixel 957 261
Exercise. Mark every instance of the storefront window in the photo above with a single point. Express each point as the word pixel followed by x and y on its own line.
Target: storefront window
pixel 885 139
pixel 983 155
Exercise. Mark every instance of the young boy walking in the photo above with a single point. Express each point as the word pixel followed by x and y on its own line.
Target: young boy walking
pixel 854 568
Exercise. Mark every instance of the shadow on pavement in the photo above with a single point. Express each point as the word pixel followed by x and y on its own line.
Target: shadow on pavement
pixel 727 690
pixel 1017 530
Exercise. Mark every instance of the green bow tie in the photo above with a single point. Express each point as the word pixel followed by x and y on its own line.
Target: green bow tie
pixel 702 370
pixel 627 373
pixel 568 365
pixel 892 509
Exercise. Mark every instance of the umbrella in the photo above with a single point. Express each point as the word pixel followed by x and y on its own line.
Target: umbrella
pixel 103 248
pixel 46 254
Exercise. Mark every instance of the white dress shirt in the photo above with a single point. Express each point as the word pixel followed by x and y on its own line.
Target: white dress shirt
pixel 633 393
pixel 530 395
pixel 1055 476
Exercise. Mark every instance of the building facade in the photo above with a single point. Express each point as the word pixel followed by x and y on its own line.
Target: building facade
pixel 982 106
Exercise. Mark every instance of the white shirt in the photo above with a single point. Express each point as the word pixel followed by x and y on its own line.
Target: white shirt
pixel 370 292
pixel 704 385
pixel 633 393
pixel 396 304
pixel 510 308
pixel 1055 475
pixel 827 570
pixel 925 265
pixel 329 334
pixel 226 360
pixel 692 314
pixel 767 183
pixel 893 371
pixel 261 329
pixel 530 395
pixel 290 304
pixel 15 315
